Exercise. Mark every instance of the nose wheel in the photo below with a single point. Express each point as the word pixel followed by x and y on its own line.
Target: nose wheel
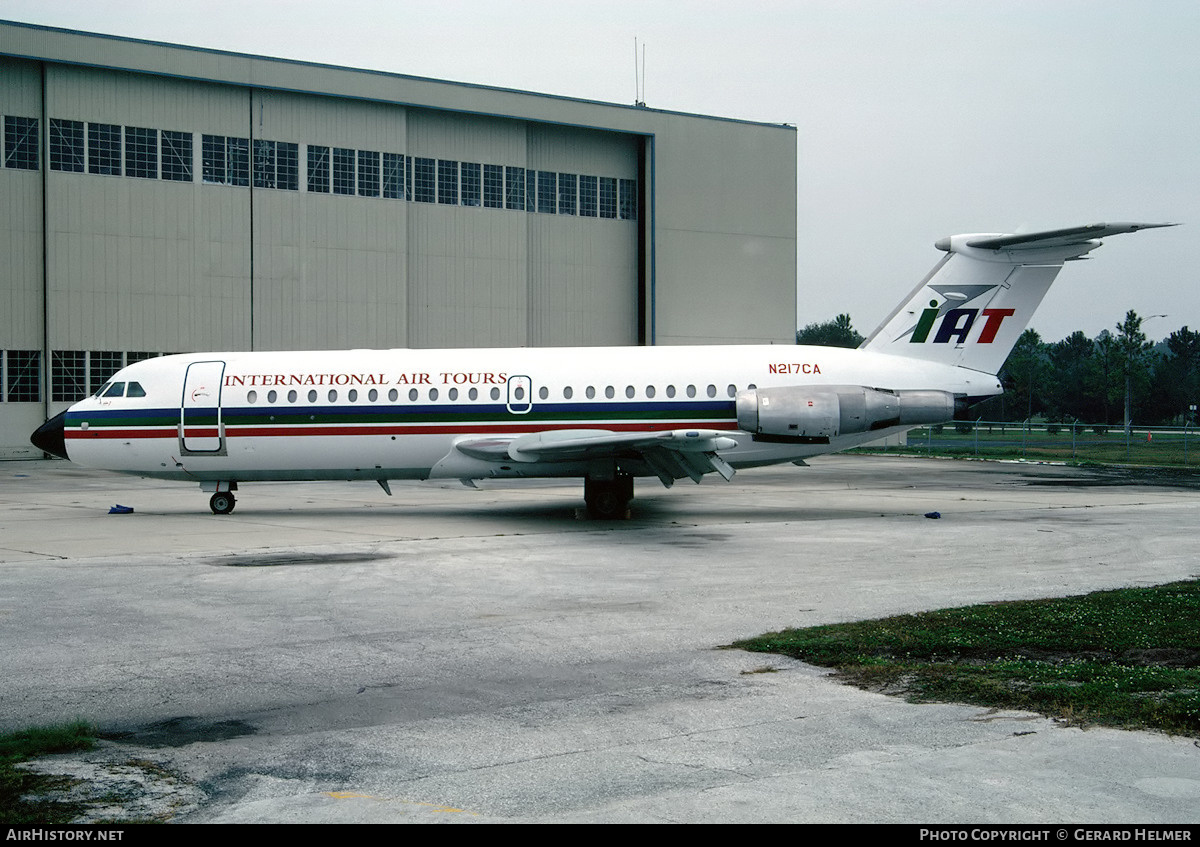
pixel 222 502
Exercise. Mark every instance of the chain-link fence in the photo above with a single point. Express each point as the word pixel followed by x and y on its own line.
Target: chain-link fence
pixel 1078 442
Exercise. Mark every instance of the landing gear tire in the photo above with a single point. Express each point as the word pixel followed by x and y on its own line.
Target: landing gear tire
pixel 608 499
pixel 222 502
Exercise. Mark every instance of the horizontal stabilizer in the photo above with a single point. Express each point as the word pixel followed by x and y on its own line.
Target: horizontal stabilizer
pixel 1059 237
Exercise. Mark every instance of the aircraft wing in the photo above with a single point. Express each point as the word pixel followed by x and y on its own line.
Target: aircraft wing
pixel 670 454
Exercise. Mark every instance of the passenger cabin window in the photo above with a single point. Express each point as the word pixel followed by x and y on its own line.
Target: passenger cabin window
pixel 252 396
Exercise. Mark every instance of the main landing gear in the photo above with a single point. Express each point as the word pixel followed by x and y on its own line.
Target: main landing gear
pixel 223 501
pixel 608 499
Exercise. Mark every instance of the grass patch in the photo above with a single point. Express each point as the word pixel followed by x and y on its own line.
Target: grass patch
pixel 16 783
pixel 1128 658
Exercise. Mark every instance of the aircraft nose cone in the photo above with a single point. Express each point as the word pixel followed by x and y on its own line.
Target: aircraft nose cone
pixel 50 438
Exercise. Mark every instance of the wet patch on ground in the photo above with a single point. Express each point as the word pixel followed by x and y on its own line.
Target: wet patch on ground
pixel 179 732
pixel 1184 478
pixel 296 557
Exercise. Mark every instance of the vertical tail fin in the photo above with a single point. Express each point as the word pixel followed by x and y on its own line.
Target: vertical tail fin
pixel 976 302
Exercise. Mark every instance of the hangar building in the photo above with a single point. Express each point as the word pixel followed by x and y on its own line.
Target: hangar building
pixel 159 198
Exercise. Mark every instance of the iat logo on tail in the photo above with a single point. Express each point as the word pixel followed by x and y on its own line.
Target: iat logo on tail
pixel 606 415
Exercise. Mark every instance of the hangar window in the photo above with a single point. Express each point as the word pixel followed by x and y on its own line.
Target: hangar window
pixel 470 183
pixel 343 170
pixel 238 161
pixel 103 364
pixel 566 193
pixel 318 169
pixel 176 156
pixel 276 165
pixel 368 173
pixel 514 188
pixel 264 163
pixel 628 199
pixel 393 176
pixel 66 145
pixel 530 190
pixel 104 149
pixel 587 196
pixel 493 186
pixel 20 143
pixel 68 375
pixel 447 182
pixel 225 161
pixel 287 165
pixel 547 188
pixel 23 375
pixel 424 182
pixel 608 197
pixel 141 152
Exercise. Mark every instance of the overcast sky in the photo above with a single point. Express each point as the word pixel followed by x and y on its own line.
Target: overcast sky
pixel 916 118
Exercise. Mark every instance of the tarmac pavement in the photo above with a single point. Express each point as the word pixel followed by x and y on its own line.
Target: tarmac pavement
pixel 330 654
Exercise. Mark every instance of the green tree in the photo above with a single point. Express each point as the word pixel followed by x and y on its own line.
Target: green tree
pixel 1176 381
pixel 835 333
pixel 1068 390
pixel 1026 380
pixel 1136 354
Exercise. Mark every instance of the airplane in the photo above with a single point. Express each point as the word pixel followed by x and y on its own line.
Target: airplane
pixel 605 414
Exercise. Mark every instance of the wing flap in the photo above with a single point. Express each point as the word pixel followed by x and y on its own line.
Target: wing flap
pixel 670 454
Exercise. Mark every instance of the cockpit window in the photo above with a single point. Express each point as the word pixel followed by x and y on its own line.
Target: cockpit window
pixel 135 390
pixel 114 389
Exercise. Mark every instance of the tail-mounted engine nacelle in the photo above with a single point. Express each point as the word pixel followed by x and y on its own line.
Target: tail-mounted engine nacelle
pixel 806 413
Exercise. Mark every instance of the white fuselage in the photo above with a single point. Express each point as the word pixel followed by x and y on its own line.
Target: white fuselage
pixel 398 414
